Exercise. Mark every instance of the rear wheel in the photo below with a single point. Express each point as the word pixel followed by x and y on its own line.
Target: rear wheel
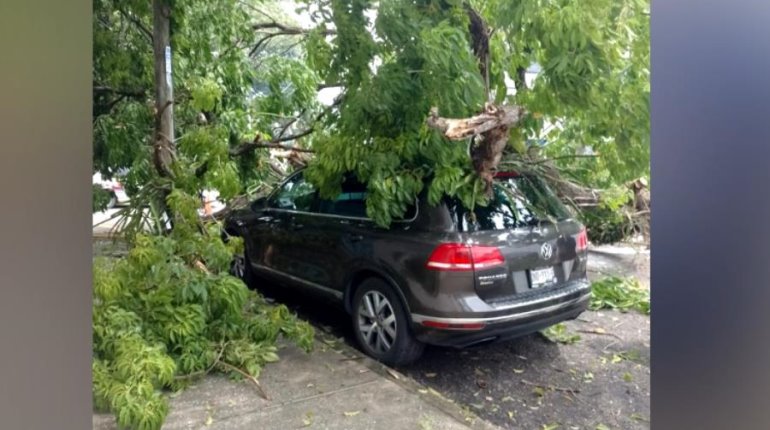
pixel 381 324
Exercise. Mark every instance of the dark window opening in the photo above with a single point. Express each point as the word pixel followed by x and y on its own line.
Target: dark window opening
pixel 516 202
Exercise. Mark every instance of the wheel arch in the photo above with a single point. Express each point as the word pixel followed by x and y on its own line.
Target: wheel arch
pixel 362 274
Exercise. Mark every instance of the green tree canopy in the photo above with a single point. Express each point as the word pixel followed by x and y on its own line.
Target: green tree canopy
pixel 418 54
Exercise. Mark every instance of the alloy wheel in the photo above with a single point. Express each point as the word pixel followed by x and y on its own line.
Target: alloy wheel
pixel 377 322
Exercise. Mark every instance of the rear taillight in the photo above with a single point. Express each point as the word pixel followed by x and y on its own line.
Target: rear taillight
pixel 461 257
pixel 581 240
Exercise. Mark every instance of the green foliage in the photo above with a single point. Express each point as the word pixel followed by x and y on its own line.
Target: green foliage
pixel 221 99
pixel 558 333
pixel 169 312
pixel 101 198
pixel 621 294
pixel 594 86
pixel 609 221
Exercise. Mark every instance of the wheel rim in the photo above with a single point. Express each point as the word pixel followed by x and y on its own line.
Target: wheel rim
pixel 239 267
pixel 377 322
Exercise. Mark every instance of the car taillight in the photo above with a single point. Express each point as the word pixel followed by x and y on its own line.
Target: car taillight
pixel 581 240
pixel 461 257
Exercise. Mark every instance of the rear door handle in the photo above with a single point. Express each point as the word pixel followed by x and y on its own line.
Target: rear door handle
pixel 355 237
pixel 293 226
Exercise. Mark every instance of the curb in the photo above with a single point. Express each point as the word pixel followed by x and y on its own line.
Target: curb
pixel 429 395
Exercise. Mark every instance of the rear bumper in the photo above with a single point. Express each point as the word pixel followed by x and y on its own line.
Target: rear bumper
pixel 521 318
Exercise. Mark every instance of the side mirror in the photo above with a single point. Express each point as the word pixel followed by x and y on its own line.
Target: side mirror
pixel 259 204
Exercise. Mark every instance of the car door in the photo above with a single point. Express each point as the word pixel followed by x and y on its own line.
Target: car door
pixel 293 246
pixel 344 231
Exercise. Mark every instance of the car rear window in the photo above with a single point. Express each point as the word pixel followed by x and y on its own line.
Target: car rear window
pixel 517 201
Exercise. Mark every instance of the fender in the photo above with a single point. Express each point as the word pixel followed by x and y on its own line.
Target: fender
pixel 374 270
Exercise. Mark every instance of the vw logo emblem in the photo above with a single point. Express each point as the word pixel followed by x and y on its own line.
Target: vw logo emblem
pixel 546 251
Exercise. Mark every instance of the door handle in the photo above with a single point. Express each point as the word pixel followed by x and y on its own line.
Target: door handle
pixel 355 237
pixel 293 226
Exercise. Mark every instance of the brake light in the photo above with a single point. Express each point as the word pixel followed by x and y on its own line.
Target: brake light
pixel 461 257
pixel 581 240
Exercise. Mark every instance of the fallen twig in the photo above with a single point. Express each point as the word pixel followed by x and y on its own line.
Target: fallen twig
pixel 600 333
pixel 615 342
pixel 247 376
pixel 206 371
pixel 550 387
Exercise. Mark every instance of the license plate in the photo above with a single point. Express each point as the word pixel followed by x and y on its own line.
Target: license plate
pixel 541 277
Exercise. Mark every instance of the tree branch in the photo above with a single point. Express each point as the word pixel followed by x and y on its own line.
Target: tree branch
pixel 463 128
pixel 247 376
pixel 288 29
pixel 272 144
pixel 275 143
pixel 282 30
pixel 138 23
pixel 562 157
pixel 135 93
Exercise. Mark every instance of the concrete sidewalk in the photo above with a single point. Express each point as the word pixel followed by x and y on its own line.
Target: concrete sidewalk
pixel 334 387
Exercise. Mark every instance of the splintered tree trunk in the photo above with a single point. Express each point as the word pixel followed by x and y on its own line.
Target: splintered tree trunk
pixel 492 126
pixel 164 149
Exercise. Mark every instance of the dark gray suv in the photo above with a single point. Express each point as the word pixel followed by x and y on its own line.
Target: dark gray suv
pixel 441 275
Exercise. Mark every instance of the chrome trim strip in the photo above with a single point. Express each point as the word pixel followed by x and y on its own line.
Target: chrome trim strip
pixel 318 287
pixel 578 286
pixel 417 318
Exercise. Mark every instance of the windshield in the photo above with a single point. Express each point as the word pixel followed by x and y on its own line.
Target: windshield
pixel 516 202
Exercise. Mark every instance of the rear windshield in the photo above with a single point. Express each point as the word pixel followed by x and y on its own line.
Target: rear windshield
pixel 516 202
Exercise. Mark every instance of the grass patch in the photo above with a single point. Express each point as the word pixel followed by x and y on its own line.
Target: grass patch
pixel 622 294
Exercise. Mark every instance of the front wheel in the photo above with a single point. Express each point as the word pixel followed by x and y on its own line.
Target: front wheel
pixel 113 201
pixel 381 324
pixel 241 268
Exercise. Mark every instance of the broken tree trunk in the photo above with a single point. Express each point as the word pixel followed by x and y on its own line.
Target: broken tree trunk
pixel 491 125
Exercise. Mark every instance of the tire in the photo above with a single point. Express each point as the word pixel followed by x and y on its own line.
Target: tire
pixel 379 341
pixel 113 201
pixel 240 268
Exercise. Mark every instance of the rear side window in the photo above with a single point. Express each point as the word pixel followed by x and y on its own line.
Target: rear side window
pixel 516 202
pixel 351 202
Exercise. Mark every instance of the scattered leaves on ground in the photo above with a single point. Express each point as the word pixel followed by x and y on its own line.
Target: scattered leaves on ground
pixel 558 333
pixel 622 294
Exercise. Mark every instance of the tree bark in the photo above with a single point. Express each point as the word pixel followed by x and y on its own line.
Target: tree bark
pixel 164 149
pixel 492 125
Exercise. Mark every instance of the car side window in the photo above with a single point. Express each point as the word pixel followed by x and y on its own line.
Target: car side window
pixel 296 195
pixel 350 202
